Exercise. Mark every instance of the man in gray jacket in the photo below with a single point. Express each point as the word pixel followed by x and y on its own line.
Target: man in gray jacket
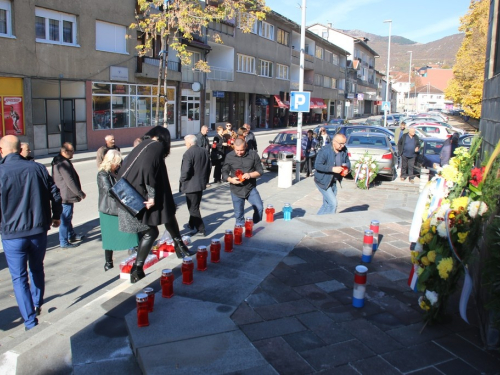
pixel 68 182
pixel 195 172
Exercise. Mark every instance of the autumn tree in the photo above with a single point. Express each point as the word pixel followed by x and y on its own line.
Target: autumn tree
pixel 176 20
pixel 466 87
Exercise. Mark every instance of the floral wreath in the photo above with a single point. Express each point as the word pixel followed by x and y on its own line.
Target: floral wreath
pixel 364 171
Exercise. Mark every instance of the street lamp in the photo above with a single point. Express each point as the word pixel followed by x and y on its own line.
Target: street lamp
pixel 409 79
pixel 387 72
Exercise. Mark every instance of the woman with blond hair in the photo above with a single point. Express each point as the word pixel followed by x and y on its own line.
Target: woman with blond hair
pixel 112 238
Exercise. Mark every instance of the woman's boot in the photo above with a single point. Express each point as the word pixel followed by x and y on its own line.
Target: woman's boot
pixel 108 255
pixel 180 247
pixel 147 241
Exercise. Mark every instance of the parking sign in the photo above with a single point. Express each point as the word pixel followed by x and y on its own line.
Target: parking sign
pixel 300 101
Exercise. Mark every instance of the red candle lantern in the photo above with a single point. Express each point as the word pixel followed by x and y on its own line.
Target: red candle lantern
pixel 358 297
pixel 228 241
pixel 201 258
pixel 187 270
pixel 215 251
pixel 167 283
pixel 238 234
pixel 142 310
pixel 270 213
pixel 248 227
pixel 375 227
pixel 366 257
pixel 151 298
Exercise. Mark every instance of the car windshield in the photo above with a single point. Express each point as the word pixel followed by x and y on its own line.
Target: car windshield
pixel 286 139
pixel 348 131
pixel 363 140
pixel 433 148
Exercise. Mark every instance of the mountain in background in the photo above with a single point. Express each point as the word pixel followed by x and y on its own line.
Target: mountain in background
pixel 440 52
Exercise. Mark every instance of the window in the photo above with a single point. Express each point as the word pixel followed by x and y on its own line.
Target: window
pixel 282 71
pixel 335 59
pixel 266 68
pixel 266 30
pixel 110 37
pixel 246 64
pixel 324 34
pixel 319 53
pixel 5 18
pixel 327 82
pixel 223 28
pixel 318 80
pixel 328 56
pixel 55 27
pixel 248 18
pixel 334 83
pixel 282 37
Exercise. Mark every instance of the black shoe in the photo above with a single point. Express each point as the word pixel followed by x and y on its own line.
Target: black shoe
pixel 76 238
pixel 188 226
pixel 181 249
pixel 200 233
pixel 108 266
pixel 69 246
pixel 136 274
pixel 38 311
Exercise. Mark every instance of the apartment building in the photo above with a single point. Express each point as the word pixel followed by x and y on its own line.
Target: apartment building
pixel 68 73
pixel 361 84
pixel 426 97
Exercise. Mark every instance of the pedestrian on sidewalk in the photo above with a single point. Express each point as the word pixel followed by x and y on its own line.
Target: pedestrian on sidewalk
pixel 195 172
pixel 309 150
pixel 448 149
pixel 112 238
pixel 408 147
pixel 218 154
pixel 248 162
pixel 323 138
pixel 29 204
pixel 110 145
pixel 397 136
pixel 250 138
pixel 67 180
pixel 328 167
pixel 202 139
pixel 146 171
pixel 25 151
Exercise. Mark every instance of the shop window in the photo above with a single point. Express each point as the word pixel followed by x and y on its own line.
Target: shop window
pixel 266 69
pixel 55 27
pixel 110 37
pixel 283 37
pixel 5 18
pixel 282 71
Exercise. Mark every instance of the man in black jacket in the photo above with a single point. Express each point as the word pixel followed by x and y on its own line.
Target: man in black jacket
pixel 202 139
pixel 243 187
pixel 408 147
pixel 250 138
pixel 26 194
pixel 68 182
pixel 195 172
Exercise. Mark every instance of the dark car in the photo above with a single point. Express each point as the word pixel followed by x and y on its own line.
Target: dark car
pixel 348 129
pixel 334 121
pixel 465 140
pixel 428 155
pixel 284 141
pixel 330 129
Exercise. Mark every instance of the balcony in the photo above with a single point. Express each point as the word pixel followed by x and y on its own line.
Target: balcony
pixel 308 85
pixel 148 67
pixel 307 57
pixel 220 74
pixel 190 75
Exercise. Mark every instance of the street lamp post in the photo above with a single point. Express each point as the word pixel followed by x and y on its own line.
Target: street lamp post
pixel 387 71
pixel 409 79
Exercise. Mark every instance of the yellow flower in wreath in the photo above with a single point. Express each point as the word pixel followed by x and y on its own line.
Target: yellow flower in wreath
pixel 431 256
pixel 423 304
pixel 444 267
pixel 428 238
pixel 425 261
pixel 459 202
pixel 420 270
pixel 462 237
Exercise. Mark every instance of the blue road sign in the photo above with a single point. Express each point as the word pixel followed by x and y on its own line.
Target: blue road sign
pixel 386 106
pixel 300 101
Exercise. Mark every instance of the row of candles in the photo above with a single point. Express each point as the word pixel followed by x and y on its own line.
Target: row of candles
pixel 145 300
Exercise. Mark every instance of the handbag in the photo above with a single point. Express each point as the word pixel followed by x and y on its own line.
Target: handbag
pixel 125 193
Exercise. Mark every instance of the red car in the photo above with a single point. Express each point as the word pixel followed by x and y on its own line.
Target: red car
pixel 284 141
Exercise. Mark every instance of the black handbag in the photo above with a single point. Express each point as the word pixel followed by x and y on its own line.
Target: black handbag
pixel 125 193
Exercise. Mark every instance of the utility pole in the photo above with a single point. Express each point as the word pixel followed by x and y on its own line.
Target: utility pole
pixel 409 79
pixel 387 71
pixel 298 152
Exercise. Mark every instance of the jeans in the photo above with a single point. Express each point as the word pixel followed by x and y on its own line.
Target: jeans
pixel 239 207
pixel 66 230
pixel 329 200
pixel 407 165
pixel 193 201
pixel 21 252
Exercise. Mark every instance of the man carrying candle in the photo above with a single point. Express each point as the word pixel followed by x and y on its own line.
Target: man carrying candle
pixel 244 187
pixel 329 165
pixel 195 172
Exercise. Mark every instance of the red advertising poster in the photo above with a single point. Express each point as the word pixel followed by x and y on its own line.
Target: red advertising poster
pixel 13 115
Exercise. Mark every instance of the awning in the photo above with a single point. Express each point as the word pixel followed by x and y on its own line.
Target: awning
pixel 280 103
pixel 317 103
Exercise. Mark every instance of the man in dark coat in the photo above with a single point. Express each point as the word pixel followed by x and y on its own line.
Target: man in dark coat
pixel 195 172
pixel 26 194
pixel 68 182
pixel 408 147
pixel 448 149
pixel 110 145
pixel 202 139
pixel 250 138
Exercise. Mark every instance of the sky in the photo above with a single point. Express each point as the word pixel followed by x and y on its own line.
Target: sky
pixel 422 21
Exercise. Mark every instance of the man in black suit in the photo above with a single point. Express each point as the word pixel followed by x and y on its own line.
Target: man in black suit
pixel 195 172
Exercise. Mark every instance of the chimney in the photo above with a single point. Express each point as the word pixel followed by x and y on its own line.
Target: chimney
pixel 330 25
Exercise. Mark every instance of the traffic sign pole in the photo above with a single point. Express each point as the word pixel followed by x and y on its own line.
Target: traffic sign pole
pixel 301 88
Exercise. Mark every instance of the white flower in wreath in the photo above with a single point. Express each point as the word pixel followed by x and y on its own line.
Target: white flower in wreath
pixel 419 247
pixel 449 184
pixel 473 209
pixel 441 229
pixel 482 209
pixel 372 166
pixel 431 296
pixel 363 166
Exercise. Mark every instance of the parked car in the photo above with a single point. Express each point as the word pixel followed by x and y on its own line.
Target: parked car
pixel 435 115
pixel 376 145
pixel 334 121
pixel 330 129
pixel 419 132
pixel 434 130
pixel 348 129
pixel 379 120
pixel 428 155
pixel 418 122
pixel 465 140
pixel 284 141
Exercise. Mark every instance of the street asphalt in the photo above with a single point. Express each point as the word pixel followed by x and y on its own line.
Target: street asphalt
pixel 281 303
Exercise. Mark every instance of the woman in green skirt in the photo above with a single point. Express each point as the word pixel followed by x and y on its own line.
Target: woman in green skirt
pixel 112 238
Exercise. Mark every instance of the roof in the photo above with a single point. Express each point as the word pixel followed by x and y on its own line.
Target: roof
pixel 358 40
pixel 429 89
pixel 438 78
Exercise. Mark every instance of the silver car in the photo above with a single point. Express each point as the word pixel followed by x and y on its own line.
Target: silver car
pixel 376 145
